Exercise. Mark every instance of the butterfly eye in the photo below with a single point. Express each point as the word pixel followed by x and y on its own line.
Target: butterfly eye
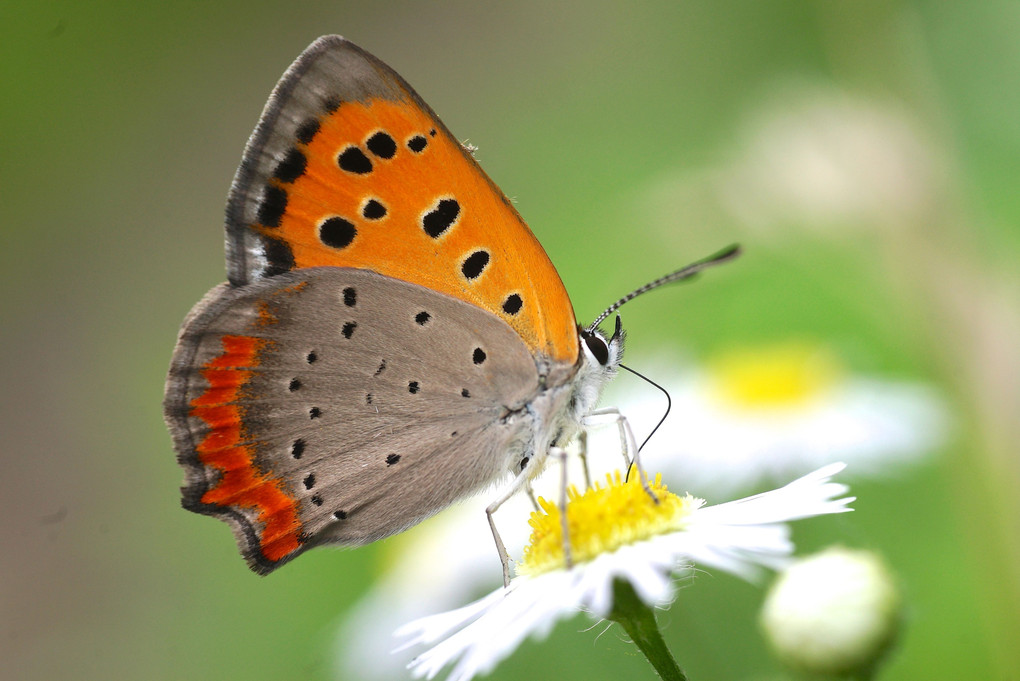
pixel 597 346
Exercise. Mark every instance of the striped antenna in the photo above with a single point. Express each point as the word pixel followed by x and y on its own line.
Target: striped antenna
pixel 725 255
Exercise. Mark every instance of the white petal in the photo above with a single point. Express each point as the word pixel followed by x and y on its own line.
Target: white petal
pixel 434 627
pixel 530 607
pixel 636 563
pixel 649 571
pixel 814 494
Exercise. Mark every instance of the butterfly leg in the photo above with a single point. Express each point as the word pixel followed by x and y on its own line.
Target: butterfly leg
pixel 561 454
pixel 627 442
pixel 504 557
pixel 611 415
pixel 531 495
pixel 582 441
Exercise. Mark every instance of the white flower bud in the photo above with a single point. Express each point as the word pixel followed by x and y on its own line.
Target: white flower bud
pixel 835 612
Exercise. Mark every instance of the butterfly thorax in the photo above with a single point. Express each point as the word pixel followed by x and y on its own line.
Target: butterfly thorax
pixel 554 417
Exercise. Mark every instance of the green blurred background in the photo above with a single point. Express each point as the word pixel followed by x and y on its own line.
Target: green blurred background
pixel 635 137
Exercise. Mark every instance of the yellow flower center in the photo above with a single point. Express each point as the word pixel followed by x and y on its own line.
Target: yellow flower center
pixel 786 375
pixel 601 520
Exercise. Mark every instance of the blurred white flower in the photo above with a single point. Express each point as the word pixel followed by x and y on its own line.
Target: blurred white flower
pixel 822 158
pixel 617 532
pixel 836 612
pixel 810 158
pixel 758 415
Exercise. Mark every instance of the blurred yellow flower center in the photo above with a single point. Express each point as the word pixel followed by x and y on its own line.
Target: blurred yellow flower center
pixel 602 520
pixel 784 375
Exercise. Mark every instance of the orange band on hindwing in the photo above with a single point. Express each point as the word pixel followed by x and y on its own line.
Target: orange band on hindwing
pixel 242 484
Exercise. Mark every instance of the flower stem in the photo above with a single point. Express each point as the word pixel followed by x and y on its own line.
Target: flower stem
pixel 638 620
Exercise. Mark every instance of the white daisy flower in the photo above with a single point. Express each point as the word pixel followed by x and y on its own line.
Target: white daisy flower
pixel 617 533
pixel 759 415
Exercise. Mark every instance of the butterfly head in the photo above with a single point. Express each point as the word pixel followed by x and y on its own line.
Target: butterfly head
pixel 600 352
pixel 599 362
pixel 600 355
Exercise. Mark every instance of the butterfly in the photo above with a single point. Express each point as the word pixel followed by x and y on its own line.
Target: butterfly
pixel 392 337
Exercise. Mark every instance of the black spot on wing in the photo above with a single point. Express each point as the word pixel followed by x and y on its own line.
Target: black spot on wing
pixel 272 207
pixel 475 264
pixel 353 160
pixel 382 145
pixel 373 210
pixel 441 218
pixel 417 144
pixel 336 232
pixel 279 257
pixel 291 167
pixel 307 131
pixel 513 304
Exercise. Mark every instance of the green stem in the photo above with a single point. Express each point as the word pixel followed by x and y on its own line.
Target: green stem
pixel 638 620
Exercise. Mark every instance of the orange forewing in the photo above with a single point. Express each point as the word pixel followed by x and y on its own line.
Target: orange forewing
pixel 408 184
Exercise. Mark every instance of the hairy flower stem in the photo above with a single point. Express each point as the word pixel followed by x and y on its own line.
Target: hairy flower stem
pixel 638 620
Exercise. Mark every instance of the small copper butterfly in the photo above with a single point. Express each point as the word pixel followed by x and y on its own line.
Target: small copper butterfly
pixel 392 337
